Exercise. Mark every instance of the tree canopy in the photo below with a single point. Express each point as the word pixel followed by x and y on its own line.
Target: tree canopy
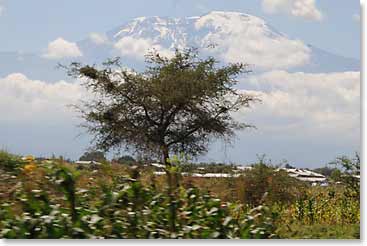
pixel 177 104
pixel 93 156
pixel 125 159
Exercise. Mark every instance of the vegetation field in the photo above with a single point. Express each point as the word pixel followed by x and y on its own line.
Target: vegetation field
pixel 56 199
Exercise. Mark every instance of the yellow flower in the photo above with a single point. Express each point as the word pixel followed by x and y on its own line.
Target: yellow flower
pixel 29 158
pixel 30 167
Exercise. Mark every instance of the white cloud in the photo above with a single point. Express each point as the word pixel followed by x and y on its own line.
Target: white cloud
pixel 299 8
pixel 24 100
pixel 139 47
pixel 357 17
pixel 98 38
pixel 318 105
pixel 37 119
pixel 60 48
pixel 248 39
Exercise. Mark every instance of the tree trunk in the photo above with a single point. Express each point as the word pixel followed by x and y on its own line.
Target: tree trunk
pixel 171 188
pixel 165 155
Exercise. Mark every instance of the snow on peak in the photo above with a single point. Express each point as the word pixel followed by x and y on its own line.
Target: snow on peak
pixel 232 22
pixel 237 37
pixel 231 14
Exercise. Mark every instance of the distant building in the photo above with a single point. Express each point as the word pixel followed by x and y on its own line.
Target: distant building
pixel 88 163
pixel 243 168
pixel 204 175
pixel 300 174
pixel 305 175
pixel 158 165
pixel 357 176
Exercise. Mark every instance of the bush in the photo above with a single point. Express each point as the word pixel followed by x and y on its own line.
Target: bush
pixel 9 162
pixel 263 179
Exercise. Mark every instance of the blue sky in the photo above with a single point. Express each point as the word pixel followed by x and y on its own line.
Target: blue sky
pixel 307 116
pixel 30 25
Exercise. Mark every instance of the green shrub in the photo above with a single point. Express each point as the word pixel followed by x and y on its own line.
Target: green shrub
pixel 9 162
pixel 261 179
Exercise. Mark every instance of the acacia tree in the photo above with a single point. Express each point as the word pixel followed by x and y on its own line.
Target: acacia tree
pixel 176 105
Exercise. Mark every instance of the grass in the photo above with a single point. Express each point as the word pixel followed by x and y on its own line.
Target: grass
pixel 319 231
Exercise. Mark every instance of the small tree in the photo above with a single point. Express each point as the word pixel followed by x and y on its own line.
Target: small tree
pixel 288 166
pixel 351 171
pixel 125 159
pixel 176 105
pixel 336 175
pixel 327 171
pixel 263 179
pixel 350 166
pixel 93 156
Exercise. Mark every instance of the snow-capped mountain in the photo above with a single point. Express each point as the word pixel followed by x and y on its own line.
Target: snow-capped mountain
pixel 236 37
pixel 228 36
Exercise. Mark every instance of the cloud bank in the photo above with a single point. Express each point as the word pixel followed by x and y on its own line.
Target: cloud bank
pixel 317 105
pixel 60 48
pixel 307 119
pixel 26 100
pixel 37 118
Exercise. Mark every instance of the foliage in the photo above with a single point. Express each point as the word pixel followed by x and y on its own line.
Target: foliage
pixel 320 213
pixel 125 159
pixel 350 165
pixel 54 200
pixel 263 179
pixel 320 231
pixel 351 168
pixel 336 175
pixel 9 162
pixel 47 203
pixel 208 167
pixel 326 171
pixel 98 156
pixel 287 165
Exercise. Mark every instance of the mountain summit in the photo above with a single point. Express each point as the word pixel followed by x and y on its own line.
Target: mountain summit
pixel 230 36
